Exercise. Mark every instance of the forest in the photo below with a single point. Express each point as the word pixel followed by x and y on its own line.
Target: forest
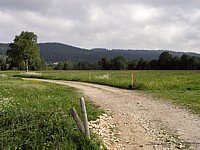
pixel 64 57
pixel 165 62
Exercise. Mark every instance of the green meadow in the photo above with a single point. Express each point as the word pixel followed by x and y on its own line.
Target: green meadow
pixel 35 115
pixel 179 87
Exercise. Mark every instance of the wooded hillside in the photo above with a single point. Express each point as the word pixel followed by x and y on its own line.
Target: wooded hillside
pixel 56 52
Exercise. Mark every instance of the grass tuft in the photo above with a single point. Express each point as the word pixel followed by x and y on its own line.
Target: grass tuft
pixel 35 115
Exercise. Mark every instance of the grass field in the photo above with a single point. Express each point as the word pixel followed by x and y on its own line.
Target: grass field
pixel 35 115
pixel 180 87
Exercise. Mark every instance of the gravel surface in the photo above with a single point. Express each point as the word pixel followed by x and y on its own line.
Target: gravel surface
pixel 140 122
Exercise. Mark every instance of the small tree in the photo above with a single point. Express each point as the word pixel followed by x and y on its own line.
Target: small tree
pixel 24 49
pixel 165 61
pixel 60 66
pixel 68 65
pixel 2 63
pixel 118 63
pixel 104 63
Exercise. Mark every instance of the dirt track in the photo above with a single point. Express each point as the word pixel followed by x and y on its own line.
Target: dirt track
pixel 143 122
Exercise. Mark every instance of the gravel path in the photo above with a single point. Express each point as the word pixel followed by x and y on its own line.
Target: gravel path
pixel 141 121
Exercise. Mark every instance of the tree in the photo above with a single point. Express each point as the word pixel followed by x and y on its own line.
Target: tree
pixel 176 63
pixel 165 61
pixel 60 66
pixel 68 65
pixel 185 61
pixel 193 62
pixel 153 64
pixel 132 65
pixel 141 65
pixel 24 51
pixel 118 63
pixel 2 63
pixel 104 64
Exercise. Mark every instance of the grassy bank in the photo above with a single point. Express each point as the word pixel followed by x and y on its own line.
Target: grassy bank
pixel 35 115
pixel 180 87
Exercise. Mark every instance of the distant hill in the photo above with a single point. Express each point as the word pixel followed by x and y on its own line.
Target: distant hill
pixel 52 52
pixel 55 52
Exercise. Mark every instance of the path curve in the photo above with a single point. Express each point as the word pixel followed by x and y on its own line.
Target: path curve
pixel 143 122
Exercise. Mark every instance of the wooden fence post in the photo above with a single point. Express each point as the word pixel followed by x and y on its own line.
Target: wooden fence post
pixel 84 116
pixel 77 120
pixel 132 77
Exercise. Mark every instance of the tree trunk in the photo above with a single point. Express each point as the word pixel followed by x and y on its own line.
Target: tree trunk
pixel 26 65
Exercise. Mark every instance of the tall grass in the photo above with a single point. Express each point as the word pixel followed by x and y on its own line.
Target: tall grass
pixel 35 115
pixel 180 87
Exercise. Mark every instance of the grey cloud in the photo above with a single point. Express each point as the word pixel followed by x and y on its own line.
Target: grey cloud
pixel 148 24
pixel 21 5
pixel 43 4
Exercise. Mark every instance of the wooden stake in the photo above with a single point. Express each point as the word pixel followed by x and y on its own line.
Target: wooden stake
pixel 134 81
pixel 132 77
pixel 77 120
pixel 84 116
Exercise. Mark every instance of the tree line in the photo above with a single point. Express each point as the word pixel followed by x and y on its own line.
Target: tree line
pixel 165 62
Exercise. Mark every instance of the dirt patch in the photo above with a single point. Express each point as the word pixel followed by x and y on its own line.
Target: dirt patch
pixel 141 121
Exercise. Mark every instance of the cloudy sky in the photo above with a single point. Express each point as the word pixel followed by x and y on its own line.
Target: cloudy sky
pixel 133 24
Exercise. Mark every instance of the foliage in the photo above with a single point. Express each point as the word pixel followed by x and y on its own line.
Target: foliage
pixel 117 63
pixel 165 62
pixel 2 63
pixel 66 65
pixel 71 65
pixel 141 64
pixel 104 64
pixel 73 58
pixel 35 115
pixel 180 87
pixel 24 52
